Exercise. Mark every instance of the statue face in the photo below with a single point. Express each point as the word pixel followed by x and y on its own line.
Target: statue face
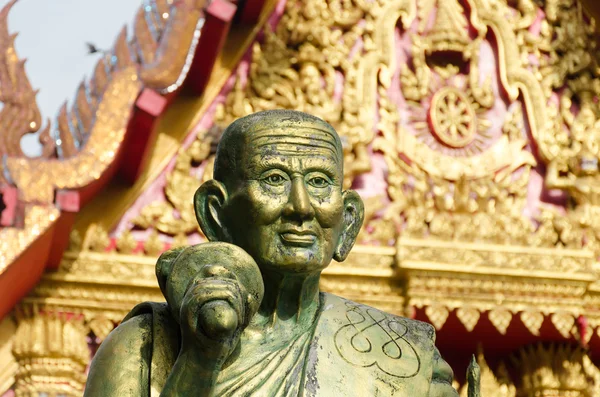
pixel 286 209
pixel 277 193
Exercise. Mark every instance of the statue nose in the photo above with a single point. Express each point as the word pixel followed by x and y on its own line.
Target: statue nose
pixel 298 205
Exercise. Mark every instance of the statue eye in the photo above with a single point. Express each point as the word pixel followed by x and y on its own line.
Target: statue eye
pixel 318 181
pixel 274 179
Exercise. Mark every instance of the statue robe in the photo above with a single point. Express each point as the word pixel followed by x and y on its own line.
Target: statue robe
pixel 353 350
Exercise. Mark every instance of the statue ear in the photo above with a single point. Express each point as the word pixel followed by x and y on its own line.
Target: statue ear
pixel 354 213
pixel 209 200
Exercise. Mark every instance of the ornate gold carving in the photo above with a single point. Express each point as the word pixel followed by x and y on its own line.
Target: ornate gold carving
pixel 452 117
pixel 8 365
pixel 89 136
pixel 101 326
pixel 175 215
pixel 494 258
pixel 431 284
pixel 103 286
pixel 437 315
pixel 563 322
pixel 38 219
pixel 582 332
pixel 501 319
pixel 38 178
pixel 377 229
pixel 96 239
pixel 154 245
pixel 51 351
pixel 180 240
pixel 468 316
pixel 300 63
pixel 126 243
pixel 533 321
pixel 567 71
pixel 557 370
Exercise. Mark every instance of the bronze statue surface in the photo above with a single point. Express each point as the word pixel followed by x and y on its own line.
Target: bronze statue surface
pixel 244 315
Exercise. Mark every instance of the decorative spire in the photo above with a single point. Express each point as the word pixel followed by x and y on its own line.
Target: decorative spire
pixel 450 28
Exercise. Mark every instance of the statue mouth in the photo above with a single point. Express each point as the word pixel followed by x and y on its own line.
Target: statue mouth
pixel 298 238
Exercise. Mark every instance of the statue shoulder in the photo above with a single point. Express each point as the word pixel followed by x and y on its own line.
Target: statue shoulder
pixel 398 349
pixel 147 336
pixel 417 329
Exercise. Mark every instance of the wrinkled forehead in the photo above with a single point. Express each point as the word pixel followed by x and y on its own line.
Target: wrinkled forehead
pixel 294 141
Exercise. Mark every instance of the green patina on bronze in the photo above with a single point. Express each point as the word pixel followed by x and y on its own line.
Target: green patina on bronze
pixel 244 315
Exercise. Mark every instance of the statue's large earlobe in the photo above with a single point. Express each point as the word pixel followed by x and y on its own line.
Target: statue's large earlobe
pixel 209 200
pixel 354 213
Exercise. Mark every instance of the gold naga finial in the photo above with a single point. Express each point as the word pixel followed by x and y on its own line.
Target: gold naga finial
pixel 20 114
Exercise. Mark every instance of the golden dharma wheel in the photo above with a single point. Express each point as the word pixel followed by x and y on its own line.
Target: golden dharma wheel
pixel 452 118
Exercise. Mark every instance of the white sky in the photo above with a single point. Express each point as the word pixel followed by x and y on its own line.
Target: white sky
pixel 52 37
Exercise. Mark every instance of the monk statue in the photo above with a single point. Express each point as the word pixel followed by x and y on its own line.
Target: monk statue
pixel 243 314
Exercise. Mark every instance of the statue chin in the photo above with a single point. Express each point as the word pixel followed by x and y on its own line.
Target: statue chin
pixel 294 261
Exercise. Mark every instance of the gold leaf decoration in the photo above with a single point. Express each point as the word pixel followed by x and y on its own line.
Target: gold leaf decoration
pixel 588 332
pixel 468 316
pixel 437 315
pixel 48 340
pixel 19 113
pixel 96 238
pixel 298 66
pixel 101 326
pixel 533 321
pixel 556 370
pixel 126 243
pixel 153 245
pixel 75 242
pixel 176 214
pixel 180 240
pixel 563 322
pixel 501 319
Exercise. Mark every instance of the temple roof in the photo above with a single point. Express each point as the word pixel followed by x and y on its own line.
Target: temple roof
pixel 106 133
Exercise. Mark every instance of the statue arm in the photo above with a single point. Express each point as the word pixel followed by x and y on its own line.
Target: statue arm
pixel 441 380
pixel 121 366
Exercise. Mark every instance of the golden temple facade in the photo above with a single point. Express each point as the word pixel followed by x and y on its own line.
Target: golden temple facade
pixel 471 129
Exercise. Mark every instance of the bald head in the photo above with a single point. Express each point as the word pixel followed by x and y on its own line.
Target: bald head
pixel 281 132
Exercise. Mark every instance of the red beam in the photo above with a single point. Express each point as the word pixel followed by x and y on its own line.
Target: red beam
pixel 141 134
pixel 24 272
pixel 219 15
pixel 250 12
pixel 69 204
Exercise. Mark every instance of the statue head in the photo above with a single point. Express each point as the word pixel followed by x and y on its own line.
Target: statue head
pixel 277 193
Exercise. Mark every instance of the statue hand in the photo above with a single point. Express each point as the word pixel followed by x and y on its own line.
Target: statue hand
pixel 213 313
pixel 213 289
